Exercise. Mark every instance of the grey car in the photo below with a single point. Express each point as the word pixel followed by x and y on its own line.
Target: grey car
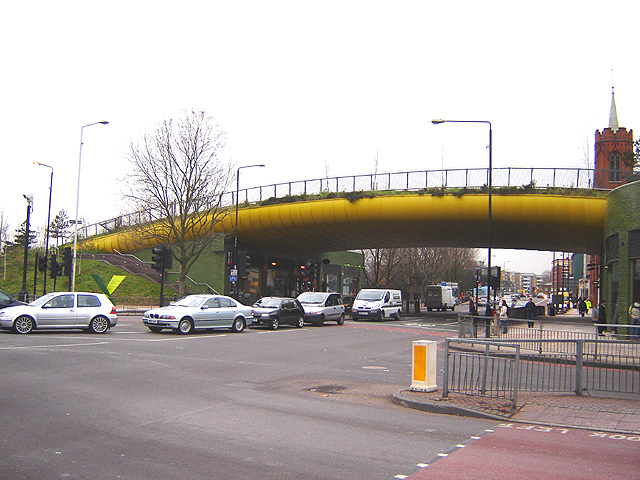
pixel 58 310
pixel 199 312
pixel 320 307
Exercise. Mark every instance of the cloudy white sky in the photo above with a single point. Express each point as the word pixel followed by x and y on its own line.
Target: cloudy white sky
pixel 308 88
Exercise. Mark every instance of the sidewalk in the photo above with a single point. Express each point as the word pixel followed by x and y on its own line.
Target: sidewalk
pixel 620 415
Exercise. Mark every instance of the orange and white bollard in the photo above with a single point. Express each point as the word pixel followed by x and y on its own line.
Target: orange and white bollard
pixel 424 366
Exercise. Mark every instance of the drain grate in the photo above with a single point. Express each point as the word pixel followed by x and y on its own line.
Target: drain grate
pixel 327 389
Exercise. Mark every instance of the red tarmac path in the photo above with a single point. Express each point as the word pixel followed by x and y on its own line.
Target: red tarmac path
pixel 520 451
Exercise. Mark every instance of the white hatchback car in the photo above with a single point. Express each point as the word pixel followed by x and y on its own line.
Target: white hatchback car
pixel 88 311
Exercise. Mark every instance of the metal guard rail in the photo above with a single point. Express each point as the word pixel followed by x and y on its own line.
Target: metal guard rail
pixel 415 180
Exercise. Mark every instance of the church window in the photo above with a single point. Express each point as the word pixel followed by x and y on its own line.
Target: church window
pixel 614 167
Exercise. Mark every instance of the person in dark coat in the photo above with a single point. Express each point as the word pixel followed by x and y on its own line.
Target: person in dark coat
pixel 531 310
pixel 602 318
pixel 582 307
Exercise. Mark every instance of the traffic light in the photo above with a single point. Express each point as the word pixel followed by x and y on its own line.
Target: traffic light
pixel 157 258
pixel 53 267
pixel 311 268
pixel 167 257
pixel 42 263
pixel 67 261
pixel 243 264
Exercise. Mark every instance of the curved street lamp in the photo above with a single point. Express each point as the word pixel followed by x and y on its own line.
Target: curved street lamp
pixel 437 121
pixel 72 285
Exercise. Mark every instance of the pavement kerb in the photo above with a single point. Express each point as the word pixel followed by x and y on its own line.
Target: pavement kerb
pixel 401 399
pixel 431 407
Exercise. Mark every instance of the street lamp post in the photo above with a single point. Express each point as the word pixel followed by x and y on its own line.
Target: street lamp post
pixel 46 244
pixel 23 293
pixel 75 230
pixel 488 311
pixel 235 235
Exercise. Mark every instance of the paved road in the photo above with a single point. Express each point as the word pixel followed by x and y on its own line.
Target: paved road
pixel 309 403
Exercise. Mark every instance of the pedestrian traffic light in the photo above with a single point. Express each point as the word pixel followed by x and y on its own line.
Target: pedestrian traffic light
pixel 157 258
pixel 67 261
pixel 53 267
pixel 243 264
pixel 42 263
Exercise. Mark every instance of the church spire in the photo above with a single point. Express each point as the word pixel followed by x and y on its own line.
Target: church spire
pixel 613 114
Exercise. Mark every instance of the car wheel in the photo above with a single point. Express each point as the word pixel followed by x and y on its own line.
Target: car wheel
pixel 341 320
pixel 155 329
pixel 185 326
pixel 275 323
pixel 23 324
pixel 238 325
pixel 99 324
pixel 382 315
pixel 300 321
pixel 320 321
pixel 398 315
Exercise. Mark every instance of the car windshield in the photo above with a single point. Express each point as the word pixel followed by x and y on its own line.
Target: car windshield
pixel 369 295
pixel 190 301
pixel 312 297
pixel 268 303
pixel 42 300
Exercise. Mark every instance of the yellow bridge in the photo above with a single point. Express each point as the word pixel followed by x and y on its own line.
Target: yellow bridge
pixel 532 221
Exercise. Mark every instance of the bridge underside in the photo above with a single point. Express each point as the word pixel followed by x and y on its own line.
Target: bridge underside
pixel 523 221
pixel 530 222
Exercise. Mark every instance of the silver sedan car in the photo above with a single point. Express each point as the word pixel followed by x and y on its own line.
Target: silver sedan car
pixel 195 312
pixel 89 311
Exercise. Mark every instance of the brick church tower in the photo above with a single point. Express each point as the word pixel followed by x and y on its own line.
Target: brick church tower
pixel 614 153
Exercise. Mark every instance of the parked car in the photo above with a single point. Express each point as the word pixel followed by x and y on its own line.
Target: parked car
pixel 7 300
pixel 196 312
pixel 89 311
pixel 276 311
pixel 320 307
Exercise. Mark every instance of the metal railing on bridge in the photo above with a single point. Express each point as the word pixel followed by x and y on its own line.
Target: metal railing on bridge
pixel 417 180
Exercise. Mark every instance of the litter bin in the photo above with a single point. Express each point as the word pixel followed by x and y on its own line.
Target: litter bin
pixel 552 310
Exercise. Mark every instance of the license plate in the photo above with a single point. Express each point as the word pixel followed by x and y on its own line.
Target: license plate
pixel 363 313
pixel 152 320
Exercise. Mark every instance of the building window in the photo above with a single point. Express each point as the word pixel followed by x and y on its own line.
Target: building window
pixel 614 167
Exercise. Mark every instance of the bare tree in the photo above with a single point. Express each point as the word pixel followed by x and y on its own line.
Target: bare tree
pixel 177 180
pixel 413 269
pixel 4 230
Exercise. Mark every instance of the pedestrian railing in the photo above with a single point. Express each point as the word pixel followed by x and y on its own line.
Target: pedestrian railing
pixel 599 345
pixel 502 367
pixel 534 178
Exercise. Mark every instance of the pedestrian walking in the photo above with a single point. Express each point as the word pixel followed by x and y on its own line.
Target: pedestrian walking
pixel 530 308
pixel 602 318
pixel 582 306
pixel 634 313
pixel 587 304
pixel 503 314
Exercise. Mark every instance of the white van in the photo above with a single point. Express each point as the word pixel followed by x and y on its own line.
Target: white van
pixel 440 297
pixel 377 303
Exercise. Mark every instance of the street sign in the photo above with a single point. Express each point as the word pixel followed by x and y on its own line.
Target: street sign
pixel 233 277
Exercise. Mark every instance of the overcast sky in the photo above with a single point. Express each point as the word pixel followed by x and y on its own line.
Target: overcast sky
pixel 308 88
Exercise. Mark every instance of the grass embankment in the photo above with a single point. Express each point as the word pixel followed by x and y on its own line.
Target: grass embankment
pixel 132 288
